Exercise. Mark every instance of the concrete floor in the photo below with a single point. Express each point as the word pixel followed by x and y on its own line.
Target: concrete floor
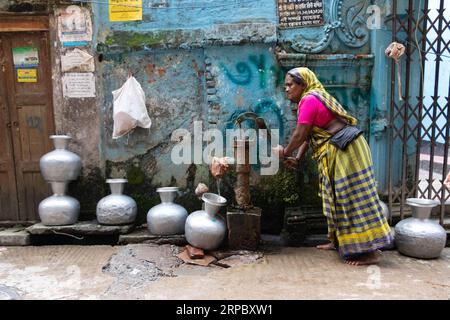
pixel 154 272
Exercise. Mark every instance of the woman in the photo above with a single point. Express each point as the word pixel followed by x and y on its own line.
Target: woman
pixel 356 225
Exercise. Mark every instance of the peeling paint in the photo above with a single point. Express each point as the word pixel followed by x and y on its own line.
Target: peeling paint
pixel 205 63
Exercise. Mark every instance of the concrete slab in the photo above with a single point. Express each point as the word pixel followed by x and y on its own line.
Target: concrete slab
pixel 142 235
pixel 14 237
pixel 308 273
pixel 153 272
pixel 56 272
pixel 80 228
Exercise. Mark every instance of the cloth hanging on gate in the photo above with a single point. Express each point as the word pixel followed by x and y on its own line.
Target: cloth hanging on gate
pixel 395 50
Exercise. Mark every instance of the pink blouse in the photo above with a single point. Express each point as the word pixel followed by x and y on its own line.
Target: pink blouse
pixel 313 111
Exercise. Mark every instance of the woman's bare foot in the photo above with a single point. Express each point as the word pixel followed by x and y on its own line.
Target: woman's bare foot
pixel 366 258
pixel 328 246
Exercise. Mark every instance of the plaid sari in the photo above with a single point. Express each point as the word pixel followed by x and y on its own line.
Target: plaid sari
pixel 350 200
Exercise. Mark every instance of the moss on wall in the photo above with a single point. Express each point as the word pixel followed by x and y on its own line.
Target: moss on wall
pixel 126 41
pixel 135 176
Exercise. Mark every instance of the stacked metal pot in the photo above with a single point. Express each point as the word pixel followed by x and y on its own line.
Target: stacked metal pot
pixel 59 167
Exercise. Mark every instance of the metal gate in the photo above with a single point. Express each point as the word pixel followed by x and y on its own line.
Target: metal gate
pixel 419 127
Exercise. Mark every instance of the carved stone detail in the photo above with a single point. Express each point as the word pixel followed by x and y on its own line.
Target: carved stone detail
pixel 347 21
pixel 353 28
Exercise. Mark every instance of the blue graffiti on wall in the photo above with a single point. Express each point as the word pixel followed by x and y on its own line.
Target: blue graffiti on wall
pixel 244 74
pixel 244 71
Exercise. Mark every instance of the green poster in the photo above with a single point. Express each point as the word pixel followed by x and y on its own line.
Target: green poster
pixel 25 57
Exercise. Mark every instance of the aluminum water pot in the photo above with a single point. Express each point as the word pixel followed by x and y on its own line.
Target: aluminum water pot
pixel 418 236
pixel 60 164
pixel 167 218
pixel 116 208
pixel 205 229
pixel 59 209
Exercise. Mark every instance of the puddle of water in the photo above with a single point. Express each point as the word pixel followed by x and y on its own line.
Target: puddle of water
pixel 218 181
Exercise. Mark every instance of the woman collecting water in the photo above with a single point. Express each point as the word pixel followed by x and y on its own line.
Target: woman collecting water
pixel 356 225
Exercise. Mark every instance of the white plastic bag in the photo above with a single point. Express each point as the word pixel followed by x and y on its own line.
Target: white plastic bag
pixel 129 109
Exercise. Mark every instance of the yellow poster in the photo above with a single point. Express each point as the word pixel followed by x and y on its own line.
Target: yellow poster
pixel 26 75
pixel 125 10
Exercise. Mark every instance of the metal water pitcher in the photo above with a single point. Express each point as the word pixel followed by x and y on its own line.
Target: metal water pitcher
pixel 60 164
pixel 205 229
pixel 59 209
pixel 167 218
pixel 116 208
pixel 418 236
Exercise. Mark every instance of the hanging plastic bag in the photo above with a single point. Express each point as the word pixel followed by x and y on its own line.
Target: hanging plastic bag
pixel 129 109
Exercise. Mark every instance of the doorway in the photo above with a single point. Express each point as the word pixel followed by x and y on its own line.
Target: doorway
pixel 26 121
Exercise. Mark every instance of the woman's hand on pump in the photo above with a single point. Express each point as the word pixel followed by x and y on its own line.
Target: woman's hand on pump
pixel 291 163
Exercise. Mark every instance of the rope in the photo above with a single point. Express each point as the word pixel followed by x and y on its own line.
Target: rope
pixel 395 50
pixel 66 234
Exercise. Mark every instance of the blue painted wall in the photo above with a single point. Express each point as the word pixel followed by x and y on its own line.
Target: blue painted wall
pixel 192 14
pixel 212 60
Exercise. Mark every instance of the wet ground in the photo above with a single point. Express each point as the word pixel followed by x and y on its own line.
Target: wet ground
pixel 143 271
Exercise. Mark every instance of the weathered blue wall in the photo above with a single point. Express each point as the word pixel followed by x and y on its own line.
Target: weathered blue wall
pixel 175 54
pixel 248 78
pixel 192 14
pixel 186 24
pixel 213 60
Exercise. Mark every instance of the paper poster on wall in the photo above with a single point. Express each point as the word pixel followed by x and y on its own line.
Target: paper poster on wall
pixel 78 85
pixel 26 75
pixel 125 10
pixel 77 60
pixel 300 13
pixel 25 57
pixel 74 26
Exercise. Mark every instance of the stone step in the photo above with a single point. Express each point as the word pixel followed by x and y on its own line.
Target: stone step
pixel 142 235
pixel 80 228
pixel 15 236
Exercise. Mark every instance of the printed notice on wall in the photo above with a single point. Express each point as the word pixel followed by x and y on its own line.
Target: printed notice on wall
pixel 125 10
pixel 77 60
pixel 78 85
pixel 300 13
pixel 26 75
pixel 74 26
pixel 25 57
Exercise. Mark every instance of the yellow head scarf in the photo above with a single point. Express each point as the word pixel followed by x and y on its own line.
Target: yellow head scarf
pixel 313 86
pixel 309 78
